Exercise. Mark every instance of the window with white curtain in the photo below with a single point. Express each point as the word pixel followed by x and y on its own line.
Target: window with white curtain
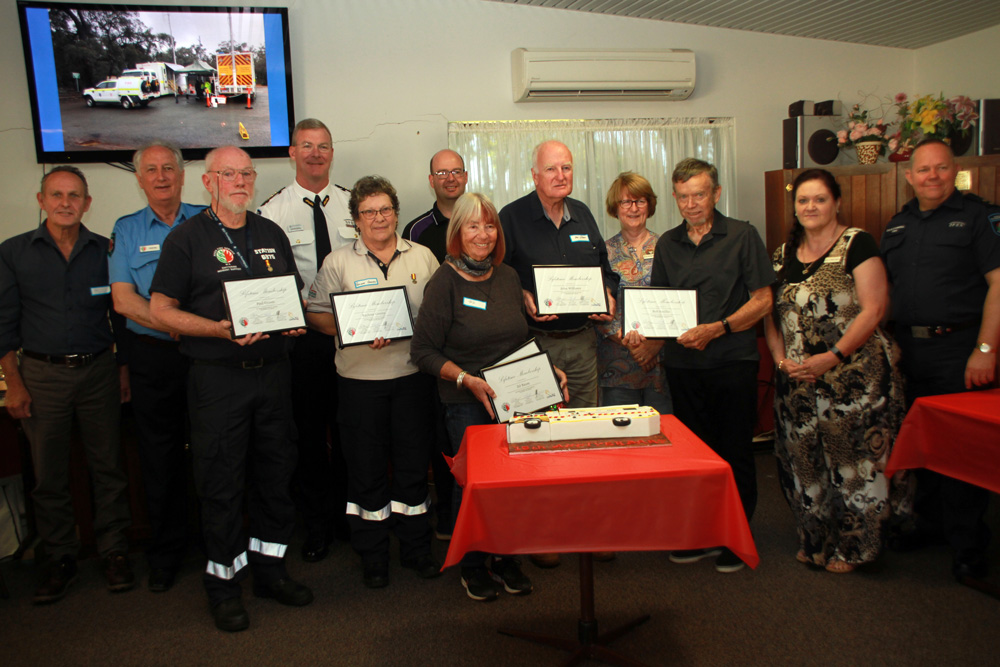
pixel 498 158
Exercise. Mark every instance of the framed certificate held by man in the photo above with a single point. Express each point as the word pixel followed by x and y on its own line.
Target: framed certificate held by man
pixel 528 384
pixel 570 290
pixel 263 305
pixel 369 314
pixel 659 312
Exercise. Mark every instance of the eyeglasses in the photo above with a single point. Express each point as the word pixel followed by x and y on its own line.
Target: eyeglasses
pixel 370 214
pixel 627 203
pixel 322 148
pixel 443 173
pixel 697 197
pixel 229 175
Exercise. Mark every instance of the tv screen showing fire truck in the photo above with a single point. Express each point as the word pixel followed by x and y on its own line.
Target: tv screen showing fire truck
pixel 107 78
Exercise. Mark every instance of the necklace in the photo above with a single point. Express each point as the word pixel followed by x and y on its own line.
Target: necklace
pixel 806 268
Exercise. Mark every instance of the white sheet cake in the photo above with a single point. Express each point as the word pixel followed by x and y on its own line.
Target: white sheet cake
pixel 612 421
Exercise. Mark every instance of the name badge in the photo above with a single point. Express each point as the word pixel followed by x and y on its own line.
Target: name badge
pixel 295 228
pixel 98 291
pixel 579 238
pixel 474 303
pixel 149 248
pixel 649 254
pixel 358 284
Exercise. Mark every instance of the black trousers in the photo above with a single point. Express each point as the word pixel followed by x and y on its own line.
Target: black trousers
pixel 241 438
pixel 935 366
pixel 387 423
pixel 720 406
pixel 158 376
pixel 320 482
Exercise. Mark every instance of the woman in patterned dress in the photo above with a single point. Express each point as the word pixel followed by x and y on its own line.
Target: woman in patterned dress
pixel 838 395
pixel 622 379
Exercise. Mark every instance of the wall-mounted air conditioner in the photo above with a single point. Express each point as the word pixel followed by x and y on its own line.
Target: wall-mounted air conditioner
pixel 548 75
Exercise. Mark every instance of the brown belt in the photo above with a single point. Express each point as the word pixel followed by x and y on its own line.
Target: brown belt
pixel 941 330
pixel 68 360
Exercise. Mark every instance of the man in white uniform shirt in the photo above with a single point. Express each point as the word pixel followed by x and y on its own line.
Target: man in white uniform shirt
pixel 313 212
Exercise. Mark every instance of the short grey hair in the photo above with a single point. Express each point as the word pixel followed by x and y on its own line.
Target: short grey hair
pixel 137 156
pixel 309 124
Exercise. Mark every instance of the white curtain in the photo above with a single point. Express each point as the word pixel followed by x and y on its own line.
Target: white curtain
pixel 498 158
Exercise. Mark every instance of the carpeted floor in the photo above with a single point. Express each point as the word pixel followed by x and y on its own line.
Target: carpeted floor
pixel 903 610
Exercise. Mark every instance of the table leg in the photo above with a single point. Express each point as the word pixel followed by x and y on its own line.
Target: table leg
pixel 590 643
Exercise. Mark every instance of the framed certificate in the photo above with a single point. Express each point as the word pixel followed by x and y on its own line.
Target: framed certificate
pixel 369 314
pixel 570 290
pixel 528 384
pixel 659 312
pixel 521 351
pixel 263 305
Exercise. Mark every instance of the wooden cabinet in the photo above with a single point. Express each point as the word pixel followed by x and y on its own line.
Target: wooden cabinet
pixel 871 194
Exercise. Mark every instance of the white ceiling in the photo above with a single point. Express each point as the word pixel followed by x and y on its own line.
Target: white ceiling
pixel 907 24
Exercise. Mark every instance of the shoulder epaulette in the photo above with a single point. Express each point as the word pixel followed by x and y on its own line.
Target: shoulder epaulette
pixel 977 199
pixel 264 203
pixel 347 190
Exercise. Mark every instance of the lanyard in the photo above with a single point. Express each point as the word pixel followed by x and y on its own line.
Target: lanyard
pixel 232 245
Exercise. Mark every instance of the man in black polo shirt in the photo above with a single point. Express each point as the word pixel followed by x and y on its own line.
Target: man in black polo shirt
pixel 712 367
pixel 54 305
pixel 942 252
pixel 447 178
pixel 239 395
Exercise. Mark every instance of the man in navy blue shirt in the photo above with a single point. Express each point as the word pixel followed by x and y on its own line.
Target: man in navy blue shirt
pixel 54 303
pixel 157 370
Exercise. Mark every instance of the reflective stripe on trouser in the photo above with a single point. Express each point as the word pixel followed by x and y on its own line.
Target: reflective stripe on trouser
pixel 226 572
pixel 387 423
pixel 240 421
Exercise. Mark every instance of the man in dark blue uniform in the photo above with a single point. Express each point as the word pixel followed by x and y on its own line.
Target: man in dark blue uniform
pixel 157 369
pixel 942 252
pixel 54 303
pixel 239 392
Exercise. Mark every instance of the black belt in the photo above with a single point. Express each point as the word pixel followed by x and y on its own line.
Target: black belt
pixel 941 330
pixel 153 340
pixel 68 360
pixel 559 334
pixel 248 364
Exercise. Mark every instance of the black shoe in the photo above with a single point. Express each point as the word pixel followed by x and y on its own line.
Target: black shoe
pixel 316 547
pixel 425 566
pixel 59 577
pixel 969 563
pixel 161 579
pixel 506 571
pixel 284 591
pixel 693 555
pixel 479 585
pixel 230 615
pixel 376 575
pixel 728 562
pixel 118 572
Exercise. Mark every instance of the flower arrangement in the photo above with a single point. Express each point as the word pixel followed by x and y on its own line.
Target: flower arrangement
pixel 930 116
pixel 863 126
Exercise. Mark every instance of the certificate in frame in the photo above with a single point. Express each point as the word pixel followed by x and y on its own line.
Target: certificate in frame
pixel 268 304
pixel 362 316
pixel 659 312
pixel 528 384
pixel 566 290
pixel 523 350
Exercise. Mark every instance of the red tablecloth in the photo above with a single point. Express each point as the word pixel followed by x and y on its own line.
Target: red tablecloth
pixel 957 435
pixel 680 496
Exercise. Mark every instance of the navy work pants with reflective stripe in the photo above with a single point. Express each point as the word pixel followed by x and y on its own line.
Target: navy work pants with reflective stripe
pixel 387 423
pixel 241 428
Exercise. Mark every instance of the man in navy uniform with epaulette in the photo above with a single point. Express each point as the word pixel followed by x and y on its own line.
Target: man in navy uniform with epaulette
pixel 942 252
pixel 157 369
pixel 313 212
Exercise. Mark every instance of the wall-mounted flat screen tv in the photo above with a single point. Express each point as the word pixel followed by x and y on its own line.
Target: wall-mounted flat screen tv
pixel 106 78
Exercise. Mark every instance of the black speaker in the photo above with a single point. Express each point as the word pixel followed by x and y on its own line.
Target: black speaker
pixel 810 141
pixel 989 127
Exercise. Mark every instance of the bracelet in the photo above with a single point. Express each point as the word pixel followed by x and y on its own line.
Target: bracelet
pixel 725 325
pixel 458 380
pixel 837 353
pixel 781 363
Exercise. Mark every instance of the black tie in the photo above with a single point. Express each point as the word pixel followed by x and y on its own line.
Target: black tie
pixel 322 233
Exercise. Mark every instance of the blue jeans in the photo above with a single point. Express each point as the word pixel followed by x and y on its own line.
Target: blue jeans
pixel 661 402
pixel 458 417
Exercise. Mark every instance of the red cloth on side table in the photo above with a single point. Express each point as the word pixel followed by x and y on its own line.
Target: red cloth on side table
pixel 957 435
pixel 681 496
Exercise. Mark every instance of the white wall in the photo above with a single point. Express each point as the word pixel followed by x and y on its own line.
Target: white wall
pixel 387 76
pixel 961 66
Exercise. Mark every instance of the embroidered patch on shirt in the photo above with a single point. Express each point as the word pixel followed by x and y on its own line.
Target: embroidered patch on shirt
pixel 994 219
pixel 579 238
pixel 474 303
pixel 957 223
pixel 358 284
pixel 894 230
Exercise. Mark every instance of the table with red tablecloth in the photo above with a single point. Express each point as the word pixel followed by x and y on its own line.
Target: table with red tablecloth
pixel 680 496
pixel 957 435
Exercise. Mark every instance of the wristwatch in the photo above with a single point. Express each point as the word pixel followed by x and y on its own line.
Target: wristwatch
pixel 985 348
